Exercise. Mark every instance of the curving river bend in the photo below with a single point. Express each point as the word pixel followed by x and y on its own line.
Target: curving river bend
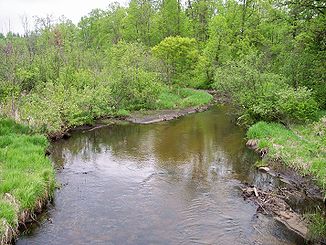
pixel 176 182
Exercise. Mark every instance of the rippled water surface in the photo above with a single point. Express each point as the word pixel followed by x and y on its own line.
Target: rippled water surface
pixel 176 182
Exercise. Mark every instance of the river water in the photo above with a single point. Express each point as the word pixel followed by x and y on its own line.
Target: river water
pixel 176 182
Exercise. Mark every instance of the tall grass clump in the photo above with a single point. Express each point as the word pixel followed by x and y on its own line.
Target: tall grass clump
pixel 300 147
pixel 317 226
pixel 26 175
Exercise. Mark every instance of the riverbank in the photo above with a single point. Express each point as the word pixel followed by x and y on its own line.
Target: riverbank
pixel 184 173
pixel 195 101
pixel 154 116
pixel 302 149
pixel 27 177
pixel 143 117
pixel 169 105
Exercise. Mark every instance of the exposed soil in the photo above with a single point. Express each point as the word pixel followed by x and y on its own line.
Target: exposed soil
pixel 149 117
pixel 287 202
pixel 144 117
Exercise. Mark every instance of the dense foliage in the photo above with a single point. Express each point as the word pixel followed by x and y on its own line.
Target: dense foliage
pixel 269 56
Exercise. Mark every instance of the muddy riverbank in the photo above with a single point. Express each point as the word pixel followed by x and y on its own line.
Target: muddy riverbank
pixel 182 177
pixel 289 202
pixel 145 117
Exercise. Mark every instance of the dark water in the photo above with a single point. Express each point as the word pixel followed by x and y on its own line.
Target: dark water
pixel 176 182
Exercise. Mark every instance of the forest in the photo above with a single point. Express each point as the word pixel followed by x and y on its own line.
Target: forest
pixel 267 57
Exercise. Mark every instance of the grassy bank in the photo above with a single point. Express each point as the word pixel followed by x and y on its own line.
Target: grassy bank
pixel 65 111
pixel 182 98
pixel 301 147
pixel 26 176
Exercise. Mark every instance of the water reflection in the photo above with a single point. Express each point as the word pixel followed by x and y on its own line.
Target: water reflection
pixel 174 182
pixel 205 140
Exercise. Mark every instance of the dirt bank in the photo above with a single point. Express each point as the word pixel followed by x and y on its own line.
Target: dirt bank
pixel 148 117
pixel 144 117
pixel 288 201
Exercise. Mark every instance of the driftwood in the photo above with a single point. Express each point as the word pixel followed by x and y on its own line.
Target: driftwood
pixel 273 204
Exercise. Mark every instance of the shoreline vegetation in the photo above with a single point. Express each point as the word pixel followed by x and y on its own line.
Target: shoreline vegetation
pixel 27 176
pixel 267 57
pixel 301 148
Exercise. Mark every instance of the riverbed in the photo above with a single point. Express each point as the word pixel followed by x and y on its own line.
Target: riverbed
pixel 173 182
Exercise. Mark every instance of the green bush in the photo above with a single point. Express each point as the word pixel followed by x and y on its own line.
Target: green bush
pixel 136 89
pixel 179 55
pixel 135 74
pixel 281 103
pixel 296 104
pixel 71 100
pixel 264 96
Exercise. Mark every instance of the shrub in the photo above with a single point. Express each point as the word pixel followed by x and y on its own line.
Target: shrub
pixel 136 89
pixel 135 75
pixel 61 104
pixel 296 104
pixel 264 96
pixel 179 55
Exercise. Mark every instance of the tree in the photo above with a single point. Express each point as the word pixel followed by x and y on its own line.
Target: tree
pixel 179 55
pixel 200 13
pixel 138 21
pixel 171 18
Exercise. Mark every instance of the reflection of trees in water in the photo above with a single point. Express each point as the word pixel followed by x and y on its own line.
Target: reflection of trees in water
pixel 201 140
pixel 79 146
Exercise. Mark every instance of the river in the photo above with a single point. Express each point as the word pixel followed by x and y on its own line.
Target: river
pixel 176 182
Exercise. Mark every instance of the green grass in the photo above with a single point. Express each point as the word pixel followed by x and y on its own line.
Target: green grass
pixel 302 148
pixel 122 113
pixel 182 98
pixel 26 174
pixel 317 226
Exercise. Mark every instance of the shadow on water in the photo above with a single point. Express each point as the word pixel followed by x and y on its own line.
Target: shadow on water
pixel 176 182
